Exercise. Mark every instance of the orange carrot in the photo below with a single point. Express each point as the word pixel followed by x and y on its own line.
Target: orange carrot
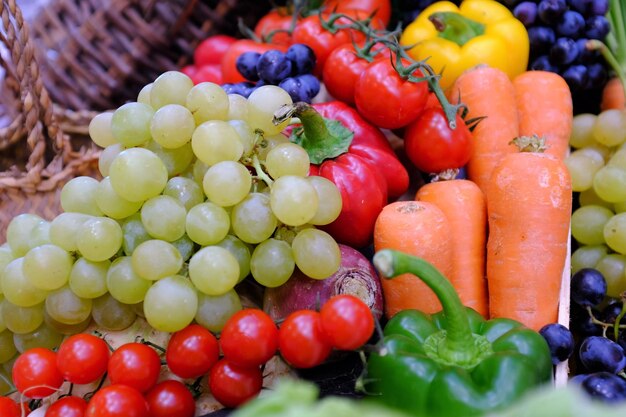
pixel 488 93
pixel 529 208
pixel 420 229
pixel 464 205
pixel 613 95
pixel 544 105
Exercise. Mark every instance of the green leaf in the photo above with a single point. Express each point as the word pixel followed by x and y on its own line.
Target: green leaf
pixel 336 141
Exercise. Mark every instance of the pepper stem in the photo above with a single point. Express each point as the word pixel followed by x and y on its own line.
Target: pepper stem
pixel 456 27
pixel 457 345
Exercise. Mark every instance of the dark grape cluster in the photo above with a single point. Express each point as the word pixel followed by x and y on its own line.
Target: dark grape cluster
pixel 558 31
pixel 289 70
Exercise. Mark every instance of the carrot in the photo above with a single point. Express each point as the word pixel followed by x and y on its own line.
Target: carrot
pixel 488 93
pixel 529 208
pixel 613 95
pixel 421 229
pixel 544 106
pixel 464 205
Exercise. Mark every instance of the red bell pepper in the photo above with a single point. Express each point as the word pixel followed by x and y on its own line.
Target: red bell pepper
pixel 357 157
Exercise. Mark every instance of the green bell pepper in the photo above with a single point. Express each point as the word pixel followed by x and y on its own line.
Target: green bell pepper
pixel 452 363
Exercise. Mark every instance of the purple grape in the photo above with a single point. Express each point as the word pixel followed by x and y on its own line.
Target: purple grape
pixel 302 58
pixel 541 38
pixel 599 7
pixel 581 6
pixel 311 83
pixel 599 354
pixel 273 66
pixel 586 56
pixel 243 88
pixel 597 27
pixel 526 12
pixel 549 11
pixel 543 63
pixel 564 51
pixel 246 65
pixel 597 76
pixel 570 24
pixel 605 386
pixel 560 340
pixel 588 287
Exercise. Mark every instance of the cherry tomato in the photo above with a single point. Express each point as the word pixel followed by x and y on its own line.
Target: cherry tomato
pixel 386 99
pixel 69 406
pixel 211 73
pixel 347 322
pixel 212 49
pixel 229 68
pixel 233 385
pixel 170 399
pixel 189 70
pixel 381 8
pixel 192 351
pixel 9 408
pixel 249 338
pixel 83 358
pixel 433 147
pixel 35 373
pixel 301 341
pixel 276 24
pixel 136 365
pixel 117 400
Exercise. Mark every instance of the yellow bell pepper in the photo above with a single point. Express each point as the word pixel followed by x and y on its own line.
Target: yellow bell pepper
pixel 457 38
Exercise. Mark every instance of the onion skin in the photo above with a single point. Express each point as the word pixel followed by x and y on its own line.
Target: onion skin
pixel 355 276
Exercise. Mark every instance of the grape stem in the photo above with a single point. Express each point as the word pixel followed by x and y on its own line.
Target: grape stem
pixel 604 325
pixel 259 171
pixel 614 63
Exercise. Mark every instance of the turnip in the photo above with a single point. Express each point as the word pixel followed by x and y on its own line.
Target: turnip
pixel 356 276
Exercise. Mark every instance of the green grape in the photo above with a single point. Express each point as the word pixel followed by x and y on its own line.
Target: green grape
pixel 207 101
pixel 587 257
pixel 6 387
pixel 214 311
pixel 99 238
pixel 156 259
pixel 185 247
pixel 270 142
pixel 19 232
pixel 272 263
pixel 247 136
pixel 171 87
pixel 110 314
pixel 171 304
pixel 134 233
pixel 588 224
pixel 17 289
pixel 6 256
pixel 107 156
pixel 100 130
pixel 164 218
pixel 176 160
pixel 88 279
pixel 138 174
pixel 582 126
pixel 40 234
pixel 111 204
pixel 589 197
pixel 609 127
pixel 3 326
pixel 213 270
pixel 215 141
pixel 22 319
pixel 186 191
pixel 144 95
pixel 47 267
pixel 227 183
pixel 207 224
pixel 130 124
pixel 79 196
pixel 615 233
pixel 294 200
pixel 172 126
pixel 613 267
pixel 619 207
pixel 64 328
pixel 124 284
pixel 252 219
pixel 287 159
pixel 199 170
pixel 241 251
pixel 237 107
pixel 316 253
pixel 582 168
pixel 65 306
pixel 262 104
pixel 329 198
pixel 42 337
pixel 609 183
pixel 7 346
pixel 618 159
pixel 138 309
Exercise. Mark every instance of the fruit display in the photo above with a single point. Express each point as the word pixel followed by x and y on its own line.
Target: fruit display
pixel 411 190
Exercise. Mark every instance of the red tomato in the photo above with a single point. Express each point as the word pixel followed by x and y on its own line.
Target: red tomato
pixel 347 322
pixel 212 49
pixel 229 70
pixel 117 400
pixel 83 358
pixel 9 408
pixel 276 24
pixel 433 147
pixel 301 341
pixel 233 385
pixel 249 338
pixel 386 99
pixel 136 365
pixel 69 406
pixel 35 373
pixel 192 351
pixel 189 70
pixel 208 73
pixel 382 8
pixel 170 399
